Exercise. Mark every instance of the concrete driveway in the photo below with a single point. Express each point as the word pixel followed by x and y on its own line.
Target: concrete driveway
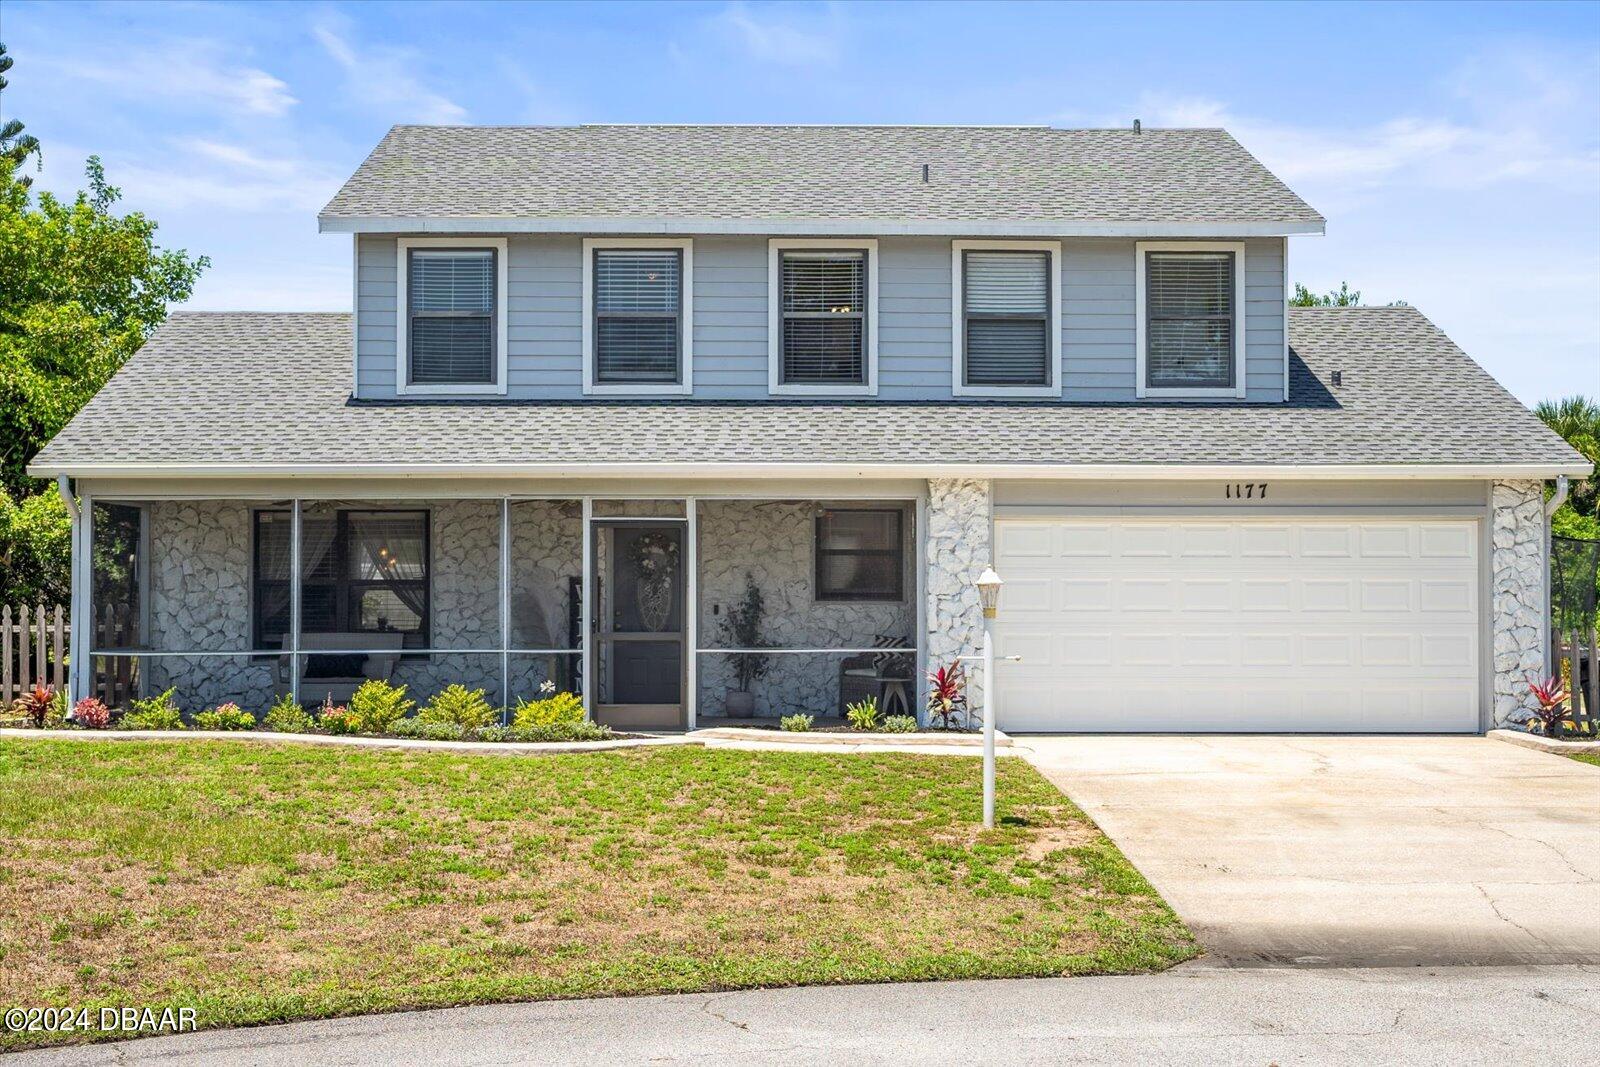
pixel 1352 851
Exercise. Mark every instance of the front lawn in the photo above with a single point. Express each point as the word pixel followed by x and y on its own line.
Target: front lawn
pixel 260 883
pixel 1591 758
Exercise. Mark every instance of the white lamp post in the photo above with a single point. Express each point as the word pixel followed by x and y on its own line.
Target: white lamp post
pixel 989 584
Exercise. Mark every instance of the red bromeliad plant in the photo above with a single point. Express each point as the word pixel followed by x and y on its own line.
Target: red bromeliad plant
pixel 35 704
pixel 91 714
pixel 947 695
pixel 1551 695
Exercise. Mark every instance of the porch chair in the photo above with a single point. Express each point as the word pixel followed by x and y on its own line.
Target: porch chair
pixel 885 676
pixel 339 676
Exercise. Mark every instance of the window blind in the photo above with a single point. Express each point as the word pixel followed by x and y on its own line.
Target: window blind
pixel 1189 327
pixel 1007 298
pixel 824 297
pixel 637 301
pixel 452 299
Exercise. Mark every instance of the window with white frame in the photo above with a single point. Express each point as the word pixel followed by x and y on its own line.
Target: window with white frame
pixel 823 317
pixel 450 330
pixel 1006 299
pixel 637 307
pixel 1189 316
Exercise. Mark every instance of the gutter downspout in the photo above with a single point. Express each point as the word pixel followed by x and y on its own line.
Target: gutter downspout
pixel 78 580
pixel 1563 487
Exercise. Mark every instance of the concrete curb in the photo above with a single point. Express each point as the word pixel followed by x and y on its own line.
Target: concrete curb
pixel 503 747
pixel 1544 744
pixel 847 741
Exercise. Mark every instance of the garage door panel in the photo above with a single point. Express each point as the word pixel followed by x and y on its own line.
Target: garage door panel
pixel 1208 626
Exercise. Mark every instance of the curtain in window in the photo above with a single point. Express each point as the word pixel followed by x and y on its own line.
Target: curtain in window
pixel 637 300
pixel 1007 296
pixel 390 549
pixel 273 550
pixel 824 303
pixel 451 293
pixel 1189 319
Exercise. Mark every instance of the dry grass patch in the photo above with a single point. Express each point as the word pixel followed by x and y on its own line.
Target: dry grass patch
pixel 264 883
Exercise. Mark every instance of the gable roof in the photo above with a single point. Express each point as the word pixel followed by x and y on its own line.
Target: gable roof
pixel 269 394
pixel 854 180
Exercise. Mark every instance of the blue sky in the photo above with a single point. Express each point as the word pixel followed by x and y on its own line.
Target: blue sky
pixel 1455 150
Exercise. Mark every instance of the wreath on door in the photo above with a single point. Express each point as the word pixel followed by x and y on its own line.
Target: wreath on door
pixel 655 558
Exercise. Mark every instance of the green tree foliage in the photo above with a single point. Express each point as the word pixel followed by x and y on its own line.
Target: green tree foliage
pixel 1341 297
pixel 1577 420
pixel 81 287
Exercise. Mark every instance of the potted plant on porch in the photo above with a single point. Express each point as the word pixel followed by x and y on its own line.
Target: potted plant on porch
pixel 741 628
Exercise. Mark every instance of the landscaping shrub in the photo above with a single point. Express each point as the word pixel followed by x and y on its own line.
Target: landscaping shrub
pixel 492 733
pixel 287 717
pixel 549 710
pixel 154 713
pixel 900 724
pixel 561 731
pixel 91 714
pixel 336 718
pixel 377 706
pixel 229 716
pixel 428 729
pixel 459 706
pixel 796 724
pixel 35 705
pixel 863 714
pixel 947 696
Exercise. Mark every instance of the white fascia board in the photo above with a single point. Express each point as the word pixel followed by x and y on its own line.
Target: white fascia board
pixel 486 224
pixel 567 471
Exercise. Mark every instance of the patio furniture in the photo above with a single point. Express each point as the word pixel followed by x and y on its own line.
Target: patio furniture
pixel 337 676
pixel 885 676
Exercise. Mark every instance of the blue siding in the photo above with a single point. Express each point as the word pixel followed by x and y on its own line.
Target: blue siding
pixel 913 313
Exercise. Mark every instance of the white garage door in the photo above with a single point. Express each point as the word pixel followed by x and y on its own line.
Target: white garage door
pixel 1261 626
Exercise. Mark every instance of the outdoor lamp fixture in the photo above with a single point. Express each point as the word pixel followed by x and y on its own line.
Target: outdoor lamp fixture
pixel 989 584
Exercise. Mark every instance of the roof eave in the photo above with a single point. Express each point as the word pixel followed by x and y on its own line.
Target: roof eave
pixel 814 227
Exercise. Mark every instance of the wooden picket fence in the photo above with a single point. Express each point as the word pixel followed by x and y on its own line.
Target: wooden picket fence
pixel 33 649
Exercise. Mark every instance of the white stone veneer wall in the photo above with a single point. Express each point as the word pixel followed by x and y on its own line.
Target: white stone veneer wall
pixel 1517 569
pixel 774 542
pixel 200 597
pixel 956 549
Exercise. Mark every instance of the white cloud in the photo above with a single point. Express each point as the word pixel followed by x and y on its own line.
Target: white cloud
pixel 770 36
pixel 191 72
pixel 384 79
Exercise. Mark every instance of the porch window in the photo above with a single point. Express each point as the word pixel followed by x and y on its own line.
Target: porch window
pixel 824 317
pixel 860 554
pixel 364 572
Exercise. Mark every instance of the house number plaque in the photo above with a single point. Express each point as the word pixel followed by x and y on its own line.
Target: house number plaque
pixel 1245 490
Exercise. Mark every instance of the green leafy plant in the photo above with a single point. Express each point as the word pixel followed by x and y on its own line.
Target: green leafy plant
pixel 154 713
pixel 863 714
pixel 741 628
pixel 492 733
pixel 377 706
pixel 287 717
pixel 900 724
pixel 91 714
pixel 34 705
pixel 336 718
pixel 419 728
pixel 947 696
pixel 796 724
pixel 561 731
pixel 551 709
pixel 459 706
pixel 229 716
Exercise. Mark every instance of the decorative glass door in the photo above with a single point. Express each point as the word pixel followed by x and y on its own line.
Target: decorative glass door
pixel 639 568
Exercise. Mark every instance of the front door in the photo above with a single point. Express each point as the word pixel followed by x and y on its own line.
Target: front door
pixel 639 568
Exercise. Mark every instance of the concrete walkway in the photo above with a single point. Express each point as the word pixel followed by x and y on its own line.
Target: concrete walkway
pixel 1352 851
pixel 1190 1016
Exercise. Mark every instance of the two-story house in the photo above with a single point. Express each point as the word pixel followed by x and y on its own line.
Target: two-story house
pixel 604 387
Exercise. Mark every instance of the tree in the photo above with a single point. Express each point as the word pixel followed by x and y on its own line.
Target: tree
pixel 80 289
pixel 1577 420
pixel 1342 297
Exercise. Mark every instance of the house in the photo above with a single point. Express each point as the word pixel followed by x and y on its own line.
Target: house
pixel 604 387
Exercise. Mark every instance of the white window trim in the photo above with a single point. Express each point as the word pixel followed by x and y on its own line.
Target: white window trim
pixel 402 346
pixel 958 335
pixel 686 313
pixel 1140 389
pixel 775 384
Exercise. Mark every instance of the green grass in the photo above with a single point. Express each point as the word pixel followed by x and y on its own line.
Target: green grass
pixel 263 883
pixel 1591 758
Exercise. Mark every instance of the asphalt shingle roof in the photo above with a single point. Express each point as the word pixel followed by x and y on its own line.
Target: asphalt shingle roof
pixel 252 388
pixel 816 173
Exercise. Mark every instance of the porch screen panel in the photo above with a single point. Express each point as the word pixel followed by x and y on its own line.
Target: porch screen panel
pixel 1007 297
pixel 1189 320
pixel 451 319
pixel 824 311
pixel 638 324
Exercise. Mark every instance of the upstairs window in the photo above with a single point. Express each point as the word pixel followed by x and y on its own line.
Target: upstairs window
pixel 1006 316
pixel 1190 321
pixel 637 308
pixel 823 324
pixel 451 332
